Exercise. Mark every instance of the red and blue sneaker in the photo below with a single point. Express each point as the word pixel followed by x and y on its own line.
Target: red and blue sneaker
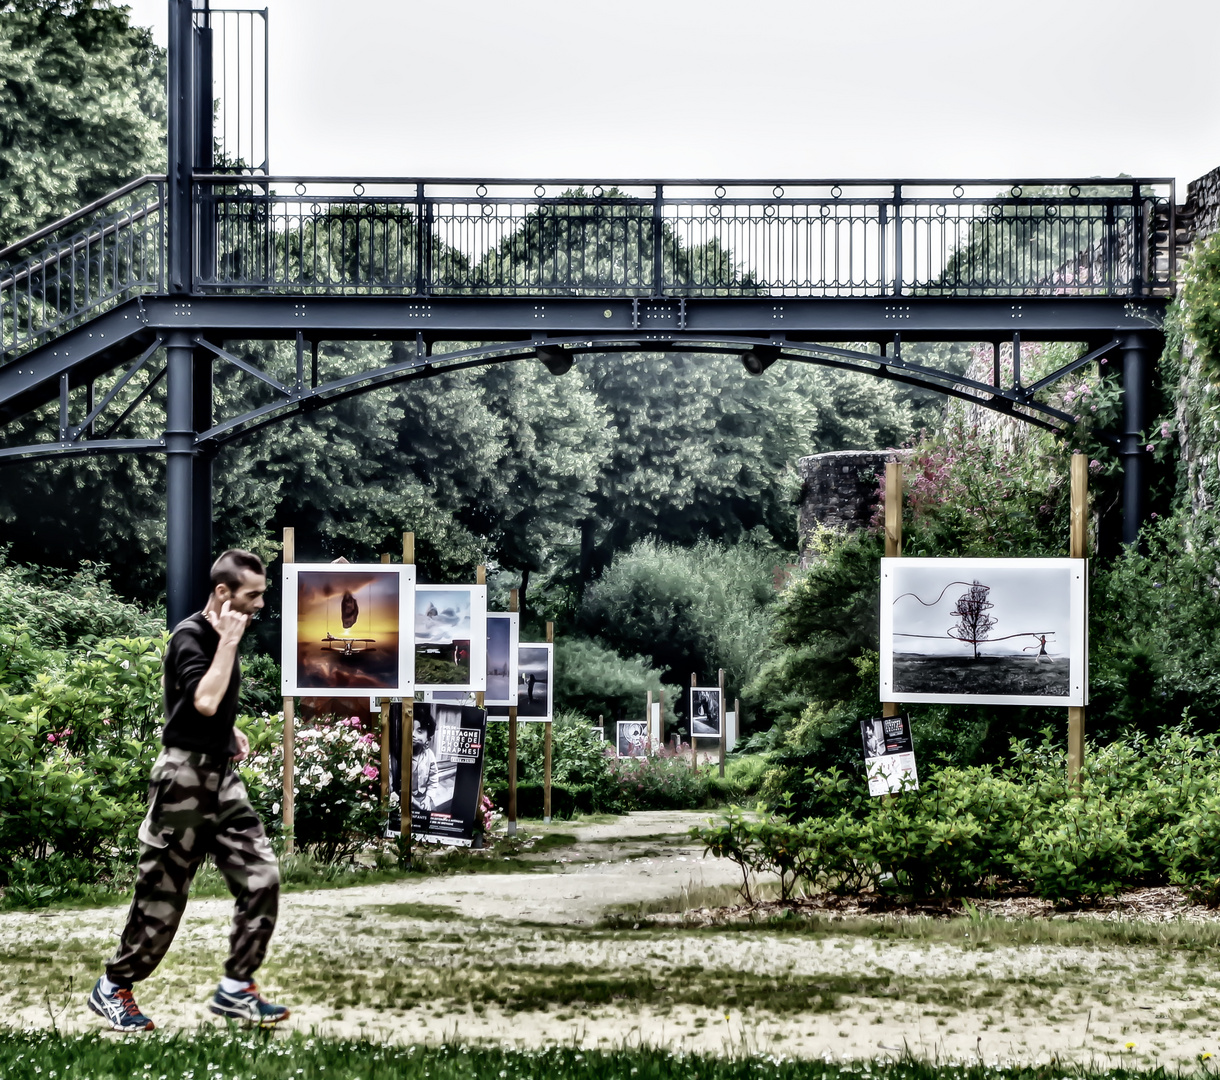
pixel 247 1004
pixel 119 1009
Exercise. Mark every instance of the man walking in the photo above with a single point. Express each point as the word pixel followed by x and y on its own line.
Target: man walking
pixel 198 806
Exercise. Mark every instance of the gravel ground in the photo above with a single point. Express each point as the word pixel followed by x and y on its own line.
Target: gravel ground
pixel 527 958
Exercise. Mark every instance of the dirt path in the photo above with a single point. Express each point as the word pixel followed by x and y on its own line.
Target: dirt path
pixel 527 958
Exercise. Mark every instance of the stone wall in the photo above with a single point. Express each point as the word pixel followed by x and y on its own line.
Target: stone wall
pixel 839 490
pixel 1199 216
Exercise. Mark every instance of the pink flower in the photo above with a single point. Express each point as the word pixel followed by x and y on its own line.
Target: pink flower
pixel 1165 430
pixel 1150 447
pixel 50 738
pixel 371 772
pixel 1094 465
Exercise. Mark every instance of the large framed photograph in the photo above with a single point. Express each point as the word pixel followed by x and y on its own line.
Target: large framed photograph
pixel 535 681
pixel 344 630
pixel 705 712
pixel 632 738
pixel 451 637
pixel 988 631
pixel 503 641
pixel 447 746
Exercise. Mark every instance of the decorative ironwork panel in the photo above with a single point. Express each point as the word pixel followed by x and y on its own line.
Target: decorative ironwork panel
pixel 88 263
pixel 848 239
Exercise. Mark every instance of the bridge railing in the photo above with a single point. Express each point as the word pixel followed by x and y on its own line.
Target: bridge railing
pixel 435 238
pixel 92 260
pixel 336 236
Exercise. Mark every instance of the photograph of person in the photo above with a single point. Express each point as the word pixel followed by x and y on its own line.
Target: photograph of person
pixel 534 661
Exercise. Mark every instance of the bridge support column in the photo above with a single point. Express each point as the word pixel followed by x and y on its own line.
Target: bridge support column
pixel 181 471
pixel 1137 380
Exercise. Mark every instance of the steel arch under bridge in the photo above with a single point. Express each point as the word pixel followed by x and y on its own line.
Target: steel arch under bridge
pixel 150 284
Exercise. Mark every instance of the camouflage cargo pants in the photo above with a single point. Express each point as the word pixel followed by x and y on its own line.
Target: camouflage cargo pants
pixel 197 806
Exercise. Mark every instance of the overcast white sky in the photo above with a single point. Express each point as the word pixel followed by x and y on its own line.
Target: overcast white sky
pixel 710 89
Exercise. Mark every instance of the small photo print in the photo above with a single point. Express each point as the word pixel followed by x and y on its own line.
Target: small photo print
pixel 705 712
pixel 535 663
pixel 451 637
pixel 632 738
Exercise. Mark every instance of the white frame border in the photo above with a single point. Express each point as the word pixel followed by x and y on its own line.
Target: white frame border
pixel 288 629
pixel 478 640
pixel 550 683
pixel 1078 620
pixel 690 704
pixel 514 644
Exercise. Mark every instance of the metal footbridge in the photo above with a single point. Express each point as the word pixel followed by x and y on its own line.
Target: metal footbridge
pixel 131 303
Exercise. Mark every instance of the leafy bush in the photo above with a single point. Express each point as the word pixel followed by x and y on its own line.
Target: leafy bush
pixel 691 609
pixel 1145 813
pixel 594 680
pixel 76 749
pixel 336 784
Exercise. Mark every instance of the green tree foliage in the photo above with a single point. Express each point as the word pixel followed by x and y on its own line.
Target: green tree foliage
pixel 82 107
pixel 594 680
pixel 691 609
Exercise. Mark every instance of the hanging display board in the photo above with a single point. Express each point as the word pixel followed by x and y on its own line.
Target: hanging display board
pixel 632 738
pixel 450 637
pixel 705 712
pixel 889 754
pixel 346 630
pixel 987 631
pixel 447 744
pixel 503 643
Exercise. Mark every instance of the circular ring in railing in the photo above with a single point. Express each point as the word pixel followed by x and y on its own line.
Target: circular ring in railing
pixel 598 191
pixel 940 211
pixel 836 191
pixel 481 191
pixel 1052 211
pixel 300 189
pixel 825 210
pixel 714 210
pixel 997 211
pixel 358 189
pixel 768 211
pixel 777 191
pixel 958 191
pixel 539 191
pixel 1015 191
pixel 488 209
pixel 1074 191
pixel 721 191
pixel 316 208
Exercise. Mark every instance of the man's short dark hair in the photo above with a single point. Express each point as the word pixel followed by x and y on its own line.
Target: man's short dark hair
pixel 427 724
pixel 227 570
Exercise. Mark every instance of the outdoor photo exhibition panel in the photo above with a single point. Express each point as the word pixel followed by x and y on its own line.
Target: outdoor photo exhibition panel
pixel 705 712
pixel 346 630
pixel 447 744
pixel 986 631
pixel 889 754
pixel 503 641
pixel 632 738
pixel 451 637
pixel 535 681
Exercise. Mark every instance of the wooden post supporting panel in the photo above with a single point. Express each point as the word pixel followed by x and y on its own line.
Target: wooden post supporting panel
pixel 546 768
pixel 1077 549
pixel 512 744
pixel 724 733
pixel 694 757
pixel 385 742
pixel 286 804
pixel 893 535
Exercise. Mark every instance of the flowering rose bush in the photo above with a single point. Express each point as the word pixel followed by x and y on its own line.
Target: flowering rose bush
pixel 336 785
